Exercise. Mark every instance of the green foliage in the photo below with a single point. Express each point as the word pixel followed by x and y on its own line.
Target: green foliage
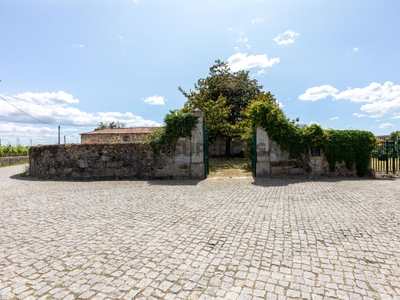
pixel 177 125
pixel 265 112
pixel 348 146
pixel 9 150
pixel 110 125
pixel 223 96
pixel 395 135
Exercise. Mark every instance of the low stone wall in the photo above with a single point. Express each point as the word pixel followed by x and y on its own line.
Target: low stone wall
pixel 183 160
pixel 13 160
pixel 113 161
pixel 272 161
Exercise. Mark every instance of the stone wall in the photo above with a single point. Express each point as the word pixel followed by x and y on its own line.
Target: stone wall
pixel 272 161
pixel 13 160
pixel 183 160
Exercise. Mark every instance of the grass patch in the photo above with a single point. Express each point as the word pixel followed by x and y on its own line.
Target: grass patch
pixel 26 171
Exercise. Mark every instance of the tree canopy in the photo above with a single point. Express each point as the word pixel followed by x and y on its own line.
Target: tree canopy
pixel 224 97
pixel 110 125
pixel 395 135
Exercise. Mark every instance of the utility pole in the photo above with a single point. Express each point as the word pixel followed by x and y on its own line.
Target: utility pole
pixel 59 134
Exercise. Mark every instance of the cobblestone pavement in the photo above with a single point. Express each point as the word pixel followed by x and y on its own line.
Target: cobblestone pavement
pixel 213 239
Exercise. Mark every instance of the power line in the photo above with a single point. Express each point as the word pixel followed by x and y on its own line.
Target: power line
pixel 330 118
pixel 24 112
pixel 359 118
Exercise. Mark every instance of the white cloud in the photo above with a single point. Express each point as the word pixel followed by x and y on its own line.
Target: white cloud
pixel 319 92
pixel 371 93
pixel 257 21
pixel 286 38
pixel 334 118
pixel 54 108
pixel 262 71
pixel 60 98
pixel 242 40
pixel 359 115
pixel 386 125
pixel 241 61
pixel 25 134
pixel 78 46
pixel 380 108
pixel 155 100
pixel 313 122
pixel 381 99
pixel 355 49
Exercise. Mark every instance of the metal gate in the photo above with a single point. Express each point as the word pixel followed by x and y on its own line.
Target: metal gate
pixel 205 151
pixel 254 152
pixel 385 157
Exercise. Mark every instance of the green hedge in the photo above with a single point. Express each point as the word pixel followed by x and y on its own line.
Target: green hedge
pixel 9 150
pixel 348 146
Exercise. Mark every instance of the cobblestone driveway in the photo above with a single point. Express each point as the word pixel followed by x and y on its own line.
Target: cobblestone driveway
pixel 214 239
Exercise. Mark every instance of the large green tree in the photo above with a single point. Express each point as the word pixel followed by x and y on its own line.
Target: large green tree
pixel 224 97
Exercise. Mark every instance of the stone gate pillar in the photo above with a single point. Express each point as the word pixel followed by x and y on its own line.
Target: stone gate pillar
pixel 197 170
pixel 263 165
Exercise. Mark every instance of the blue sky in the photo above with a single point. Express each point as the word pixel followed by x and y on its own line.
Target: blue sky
pixel 75 63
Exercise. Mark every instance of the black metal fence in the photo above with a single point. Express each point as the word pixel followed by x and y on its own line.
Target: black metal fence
pixel 385 157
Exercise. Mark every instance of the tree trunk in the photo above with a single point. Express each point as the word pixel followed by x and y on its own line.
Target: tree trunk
pixel 228 147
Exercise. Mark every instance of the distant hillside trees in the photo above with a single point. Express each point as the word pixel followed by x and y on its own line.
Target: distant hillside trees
pixel 110 125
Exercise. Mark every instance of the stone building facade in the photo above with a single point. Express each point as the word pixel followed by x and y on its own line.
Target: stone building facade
pixel 117 135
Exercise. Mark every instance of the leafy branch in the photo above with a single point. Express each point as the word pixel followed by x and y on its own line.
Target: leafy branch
pixel 177 125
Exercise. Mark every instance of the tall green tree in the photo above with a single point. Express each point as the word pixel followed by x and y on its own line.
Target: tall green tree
pixel 224 97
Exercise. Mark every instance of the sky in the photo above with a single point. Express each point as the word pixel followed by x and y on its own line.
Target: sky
pixel 71 64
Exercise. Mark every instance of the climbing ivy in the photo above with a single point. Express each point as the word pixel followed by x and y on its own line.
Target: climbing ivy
pixel 348 146
pixel 177 125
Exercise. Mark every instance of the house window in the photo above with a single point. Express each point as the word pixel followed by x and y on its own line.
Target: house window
pixel 126 138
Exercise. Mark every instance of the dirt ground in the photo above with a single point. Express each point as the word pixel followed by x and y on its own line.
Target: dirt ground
pixel 230 167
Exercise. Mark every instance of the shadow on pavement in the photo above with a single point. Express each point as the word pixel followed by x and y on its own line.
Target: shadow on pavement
pixel 149 181
pixel 285 181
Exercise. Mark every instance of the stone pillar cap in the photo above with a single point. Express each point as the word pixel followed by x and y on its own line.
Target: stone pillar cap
pixel 196 113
